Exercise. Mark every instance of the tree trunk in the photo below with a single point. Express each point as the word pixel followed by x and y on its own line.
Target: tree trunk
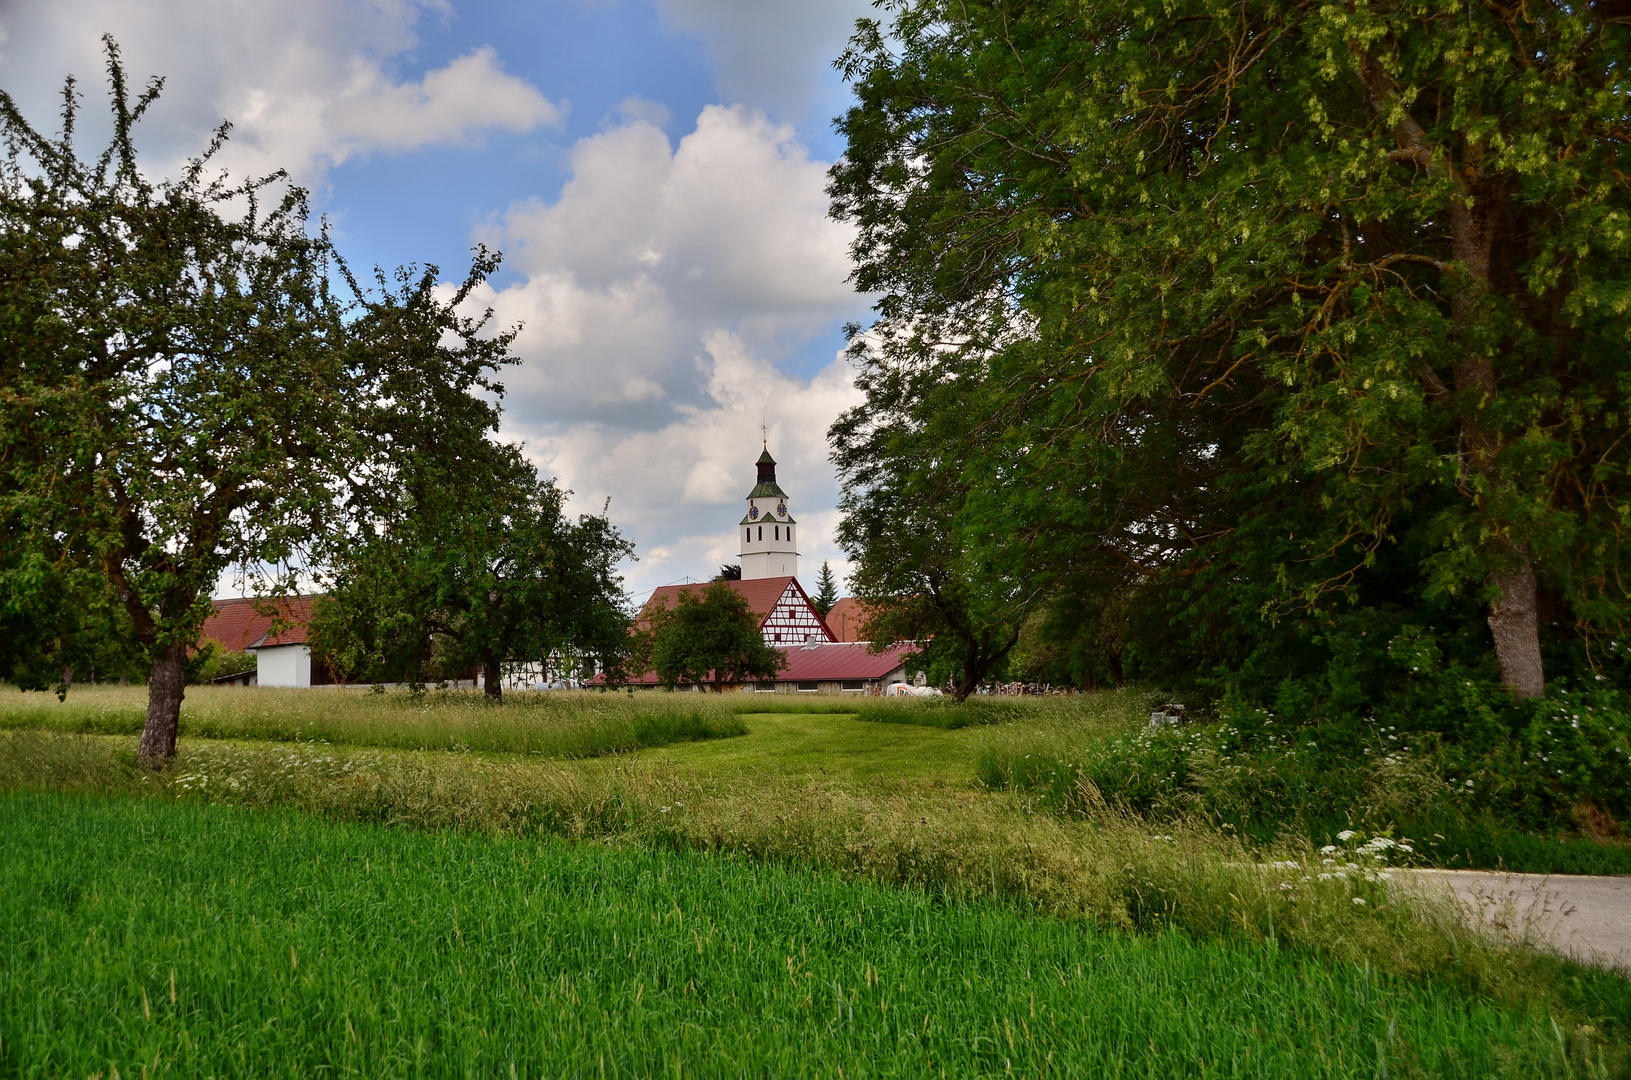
pixel 1515 622
pixel 1117 675
pixel 1474 213
pixel 492 679
pixel 166 686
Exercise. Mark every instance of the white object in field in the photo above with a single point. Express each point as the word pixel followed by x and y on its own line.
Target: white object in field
pixel 283 665
pixel 1168 716
pixel 901 689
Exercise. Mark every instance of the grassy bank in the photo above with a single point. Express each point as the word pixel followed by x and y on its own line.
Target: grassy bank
pixel 569 725
pixel 158 937
pixel 1304 782
pixel 1078 756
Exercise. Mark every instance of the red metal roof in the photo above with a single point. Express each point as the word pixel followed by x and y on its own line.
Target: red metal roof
pixel 846 620
pixel 237 625
pixel 826 661
pixel 821 661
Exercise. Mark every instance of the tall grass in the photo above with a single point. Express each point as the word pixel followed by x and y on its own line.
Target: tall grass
pixel 155 938
pixel 556 724
pixel 1275 785
pixel 952 843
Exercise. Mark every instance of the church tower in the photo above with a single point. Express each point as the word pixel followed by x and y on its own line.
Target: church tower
pixel 767 530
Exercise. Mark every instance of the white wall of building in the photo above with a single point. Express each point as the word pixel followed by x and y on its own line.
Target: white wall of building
pixel 283 665
pixel 768 548
pixel 763 564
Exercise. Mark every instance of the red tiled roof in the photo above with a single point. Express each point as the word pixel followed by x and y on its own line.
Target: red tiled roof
pixel 237 625
pixel 760 593
pixel 846 620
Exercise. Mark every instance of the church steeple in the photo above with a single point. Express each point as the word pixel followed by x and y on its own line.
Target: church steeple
pixel 767 529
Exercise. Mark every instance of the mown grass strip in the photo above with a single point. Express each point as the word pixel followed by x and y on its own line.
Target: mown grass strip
pixel 183 938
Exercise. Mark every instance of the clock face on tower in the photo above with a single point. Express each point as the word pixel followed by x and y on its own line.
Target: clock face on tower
pixel 781 509
pixel 753 513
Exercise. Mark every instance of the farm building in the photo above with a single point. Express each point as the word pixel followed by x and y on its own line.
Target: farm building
pixel 821 667
pixel 275 631
pixel 823 655
pixel 846 621
pixel 784 611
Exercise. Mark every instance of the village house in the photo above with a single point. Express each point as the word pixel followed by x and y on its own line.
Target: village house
pixel 823 655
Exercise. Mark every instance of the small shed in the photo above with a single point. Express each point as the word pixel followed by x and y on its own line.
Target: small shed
pixel 281 658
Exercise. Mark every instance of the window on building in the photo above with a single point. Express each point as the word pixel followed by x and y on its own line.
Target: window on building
pixel 852 684
pixel 808 687
pixel 778 529
pixel 766 688
pixel 761 532
pixel 747 535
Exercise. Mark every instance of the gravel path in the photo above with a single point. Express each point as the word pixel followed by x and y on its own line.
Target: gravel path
pixel 1587 918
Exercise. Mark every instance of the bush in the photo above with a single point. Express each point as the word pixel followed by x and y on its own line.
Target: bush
pixel 214 660
pixel 1473 760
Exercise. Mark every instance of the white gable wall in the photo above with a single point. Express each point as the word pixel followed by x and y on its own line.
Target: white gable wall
pixel 791 621
pixel 283 665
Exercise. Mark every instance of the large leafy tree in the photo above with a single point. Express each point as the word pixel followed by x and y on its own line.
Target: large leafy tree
pixel 181 392
pixel 920 563
pixel 479 565
pixel 454 554
pixel 707 636
pixel 171 385
pixel 1258 307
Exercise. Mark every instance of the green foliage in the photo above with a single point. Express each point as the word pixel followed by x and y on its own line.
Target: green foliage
pixel 1522 768
pixel 455 554
pixel 172 391
pixel 181 391
pixel 214 661
pixel 461 575
pixel 1202 330
pixel 61 622
pixel 918 575
pixel 711 636
pixel 450 954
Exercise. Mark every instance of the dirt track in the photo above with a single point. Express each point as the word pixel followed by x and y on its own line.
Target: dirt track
pixel 1587 918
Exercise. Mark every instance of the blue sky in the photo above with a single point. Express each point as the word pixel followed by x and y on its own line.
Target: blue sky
pixel 653 170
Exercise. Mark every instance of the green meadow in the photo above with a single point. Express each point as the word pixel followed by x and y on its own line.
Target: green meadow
pixel 157 938
pixel 380 885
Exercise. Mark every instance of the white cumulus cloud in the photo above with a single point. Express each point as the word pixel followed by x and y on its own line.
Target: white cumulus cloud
pixel 777 54
pixel 657 295
pixel 307 84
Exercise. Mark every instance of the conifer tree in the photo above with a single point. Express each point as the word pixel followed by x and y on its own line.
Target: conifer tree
pixel 826 590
